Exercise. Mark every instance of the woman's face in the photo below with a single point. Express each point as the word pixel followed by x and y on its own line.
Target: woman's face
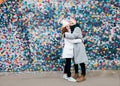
pixel 72 21
pixel 68 27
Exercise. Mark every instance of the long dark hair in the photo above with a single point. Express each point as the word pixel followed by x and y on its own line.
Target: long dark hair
pixel 74 26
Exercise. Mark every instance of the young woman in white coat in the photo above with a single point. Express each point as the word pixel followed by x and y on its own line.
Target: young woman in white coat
pixel 68 51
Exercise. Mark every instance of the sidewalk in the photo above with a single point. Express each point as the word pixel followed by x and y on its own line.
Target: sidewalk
pixel 94 78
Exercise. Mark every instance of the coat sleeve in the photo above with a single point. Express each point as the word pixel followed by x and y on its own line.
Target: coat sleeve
pixel 75 40
pixel 75 35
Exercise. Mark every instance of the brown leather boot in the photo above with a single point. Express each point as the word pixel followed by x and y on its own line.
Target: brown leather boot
pixel 76 76
pixel 81 78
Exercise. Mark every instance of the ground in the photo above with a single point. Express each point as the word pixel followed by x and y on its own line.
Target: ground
pixel 93 78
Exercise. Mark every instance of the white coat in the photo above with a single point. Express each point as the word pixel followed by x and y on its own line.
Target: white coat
pixel 68 47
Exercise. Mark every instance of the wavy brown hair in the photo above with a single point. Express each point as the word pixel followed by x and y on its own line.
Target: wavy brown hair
pixel 64 30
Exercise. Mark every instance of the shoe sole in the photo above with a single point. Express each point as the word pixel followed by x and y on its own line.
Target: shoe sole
pixel 81 80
